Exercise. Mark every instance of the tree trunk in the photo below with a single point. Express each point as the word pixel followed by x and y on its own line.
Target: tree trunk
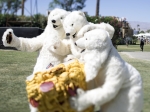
pixel 97 8
pixel 22 8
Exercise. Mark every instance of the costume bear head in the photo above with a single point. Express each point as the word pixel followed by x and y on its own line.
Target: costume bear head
pixel 94 39
pixel 73 23
pixel 76 24
pixel 97 45
pixel 56 17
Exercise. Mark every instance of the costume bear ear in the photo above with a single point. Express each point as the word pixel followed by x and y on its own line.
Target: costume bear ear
pixel 81 13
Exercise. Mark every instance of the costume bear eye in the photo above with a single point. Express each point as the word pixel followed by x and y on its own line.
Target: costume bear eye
pixel 61 18
pixel 71 24
pixel 86 39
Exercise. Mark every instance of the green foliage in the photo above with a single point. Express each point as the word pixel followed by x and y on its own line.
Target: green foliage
pixel 2 20
pixel 142 32
pixel 37 20
pixel 93 19
pixel 10 6
pixel 5 18
pixel 134 39
pixel 68 5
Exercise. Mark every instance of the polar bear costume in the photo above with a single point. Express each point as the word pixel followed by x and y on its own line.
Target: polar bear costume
pixel 114 85
pixel 75 25
pixel 44 43
pixel 53 33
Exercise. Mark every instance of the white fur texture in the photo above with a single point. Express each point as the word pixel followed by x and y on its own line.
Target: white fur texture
pixel 72 24
pixel 90 27
pixel 113 84
pixel 45 43
pixel 75 26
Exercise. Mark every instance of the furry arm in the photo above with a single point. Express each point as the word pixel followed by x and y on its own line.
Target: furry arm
pixel 23 44
pixel 61 47
pixel 109 89
pixel 29 44
pixel 101 94
pixel 85 29
pixel 90 27
pixel 92 67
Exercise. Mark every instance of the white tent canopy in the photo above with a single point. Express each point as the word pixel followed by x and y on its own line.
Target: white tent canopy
pixel 144 35
pixel 147 34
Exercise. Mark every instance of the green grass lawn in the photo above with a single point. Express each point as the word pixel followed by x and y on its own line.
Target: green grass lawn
pixel 15 66
pixel 133 48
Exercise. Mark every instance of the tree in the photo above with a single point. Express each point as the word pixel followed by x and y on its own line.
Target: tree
pixel 142 32
pixel 2 6
pixel 22 11
pixel 10 6
pixel 97 7
pixel 16 6
pixel 68 5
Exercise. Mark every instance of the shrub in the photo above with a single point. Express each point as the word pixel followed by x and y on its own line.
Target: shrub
pixel 37 20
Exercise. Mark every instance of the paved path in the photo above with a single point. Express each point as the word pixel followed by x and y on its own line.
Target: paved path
pixel 138 55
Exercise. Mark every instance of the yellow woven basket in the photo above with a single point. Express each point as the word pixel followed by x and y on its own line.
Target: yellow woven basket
pixel 49 91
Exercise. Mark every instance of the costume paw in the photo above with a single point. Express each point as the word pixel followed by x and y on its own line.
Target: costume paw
pixel 9 39
pixel 55 46
pixel 33 109
pixel 55 49
pixel 79 102
pixel 69 57
pixel 83 30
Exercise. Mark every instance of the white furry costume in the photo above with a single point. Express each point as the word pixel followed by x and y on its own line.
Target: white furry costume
pixel 53 33
pixel 114 85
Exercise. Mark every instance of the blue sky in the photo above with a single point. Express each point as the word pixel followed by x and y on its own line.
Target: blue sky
pixel 132 10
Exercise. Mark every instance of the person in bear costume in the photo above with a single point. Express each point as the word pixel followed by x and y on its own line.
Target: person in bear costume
pixel 49 39
pixel 113 84
pixel 75 25
pixel 53 33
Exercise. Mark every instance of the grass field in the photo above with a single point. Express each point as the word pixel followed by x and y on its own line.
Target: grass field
pixel 133 48
pixel 15 66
